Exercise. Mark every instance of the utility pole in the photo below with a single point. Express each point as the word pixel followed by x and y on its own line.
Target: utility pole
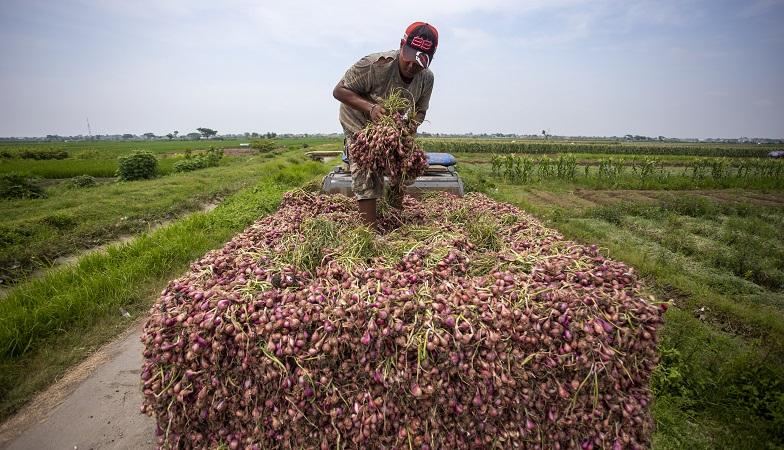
pixel 89 132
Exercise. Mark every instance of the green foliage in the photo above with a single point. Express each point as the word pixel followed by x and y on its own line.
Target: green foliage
pixel 263 145
pixel 613 148
pixel 639 172
pixel 210 159
pixel 207 132
pixel 475 181
pixel 690 205
pixel 296 175
pixel 60 221
pixel 701 370
pixel 317 235
pixel 88 154
pixel 15 185
pixel 483 232
pixel 82 181
pixel 137 166
pixel 43 154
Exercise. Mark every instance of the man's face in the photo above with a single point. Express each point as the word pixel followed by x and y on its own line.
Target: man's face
pixel 408 67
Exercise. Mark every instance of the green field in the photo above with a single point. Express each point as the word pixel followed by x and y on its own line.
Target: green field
pixel 702 231
pixel 713 249
pixel 540 146
pixel 35 232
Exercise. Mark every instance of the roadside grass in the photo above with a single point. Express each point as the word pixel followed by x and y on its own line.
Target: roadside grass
pixel 35 232
pixel 720 381
pixel 48 323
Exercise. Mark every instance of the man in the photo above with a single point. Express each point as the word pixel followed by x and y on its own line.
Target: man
pixel 373 78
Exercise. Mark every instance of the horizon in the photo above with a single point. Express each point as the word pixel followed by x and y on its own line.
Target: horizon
pixel 286 135
pixel 702 70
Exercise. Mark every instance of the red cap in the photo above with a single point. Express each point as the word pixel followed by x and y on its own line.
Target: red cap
pixel 421 40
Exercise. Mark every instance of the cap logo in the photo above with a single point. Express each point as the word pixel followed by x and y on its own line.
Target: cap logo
pixel 423 59
pixel 421 43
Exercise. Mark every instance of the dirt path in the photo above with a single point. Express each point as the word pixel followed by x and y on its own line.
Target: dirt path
pixel 95 406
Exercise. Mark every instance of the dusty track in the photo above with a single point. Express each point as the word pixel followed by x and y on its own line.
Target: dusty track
pixel 95 406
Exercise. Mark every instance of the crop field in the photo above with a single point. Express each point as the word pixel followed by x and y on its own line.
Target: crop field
pixel 607 147
pixel 705 233
pixel 701 224
pixel 35 232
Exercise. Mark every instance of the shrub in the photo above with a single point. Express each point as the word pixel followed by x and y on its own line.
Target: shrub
pixel 210 159
pixel 43 154
pixel 82 181
pixel 18 185
pixel 136 166
pixel 263 146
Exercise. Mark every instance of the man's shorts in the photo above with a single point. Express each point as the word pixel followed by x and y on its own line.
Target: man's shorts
pixel 364 184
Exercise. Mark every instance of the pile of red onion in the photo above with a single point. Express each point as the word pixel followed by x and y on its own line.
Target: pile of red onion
pixel 439 333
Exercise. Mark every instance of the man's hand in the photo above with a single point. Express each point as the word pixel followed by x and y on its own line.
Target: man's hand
pixel 376 111
pixel 415 122
pixel 412 126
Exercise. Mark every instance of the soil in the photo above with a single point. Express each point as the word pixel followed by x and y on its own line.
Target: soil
pixel 239 151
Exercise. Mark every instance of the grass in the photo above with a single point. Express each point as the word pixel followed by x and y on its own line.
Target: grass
pixel 35 232
pixel 720 382
pixel 113 149
pixel 68 168
pixel 49 323
pixel 676 178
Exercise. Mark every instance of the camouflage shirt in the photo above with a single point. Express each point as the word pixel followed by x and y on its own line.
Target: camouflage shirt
pixel 373 77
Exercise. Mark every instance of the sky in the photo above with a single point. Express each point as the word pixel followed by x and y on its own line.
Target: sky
pixel 685 68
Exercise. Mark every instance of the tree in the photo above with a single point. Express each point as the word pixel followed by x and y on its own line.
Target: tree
pixel 170 136
pixel 149 135
pixel 207 132
pixel 194 136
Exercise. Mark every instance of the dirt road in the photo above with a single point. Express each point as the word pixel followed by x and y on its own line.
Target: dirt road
pixel 95 407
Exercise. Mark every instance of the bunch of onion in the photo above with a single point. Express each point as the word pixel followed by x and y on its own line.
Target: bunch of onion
pixel 433 335
pixel 388 146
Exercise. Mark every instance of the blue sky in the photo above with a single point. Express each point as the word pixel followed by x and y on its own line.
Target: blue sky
pixel 687 68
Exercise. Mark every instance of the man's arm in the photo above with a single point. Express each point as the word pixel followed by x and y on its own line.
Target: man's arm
pixel 356 101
